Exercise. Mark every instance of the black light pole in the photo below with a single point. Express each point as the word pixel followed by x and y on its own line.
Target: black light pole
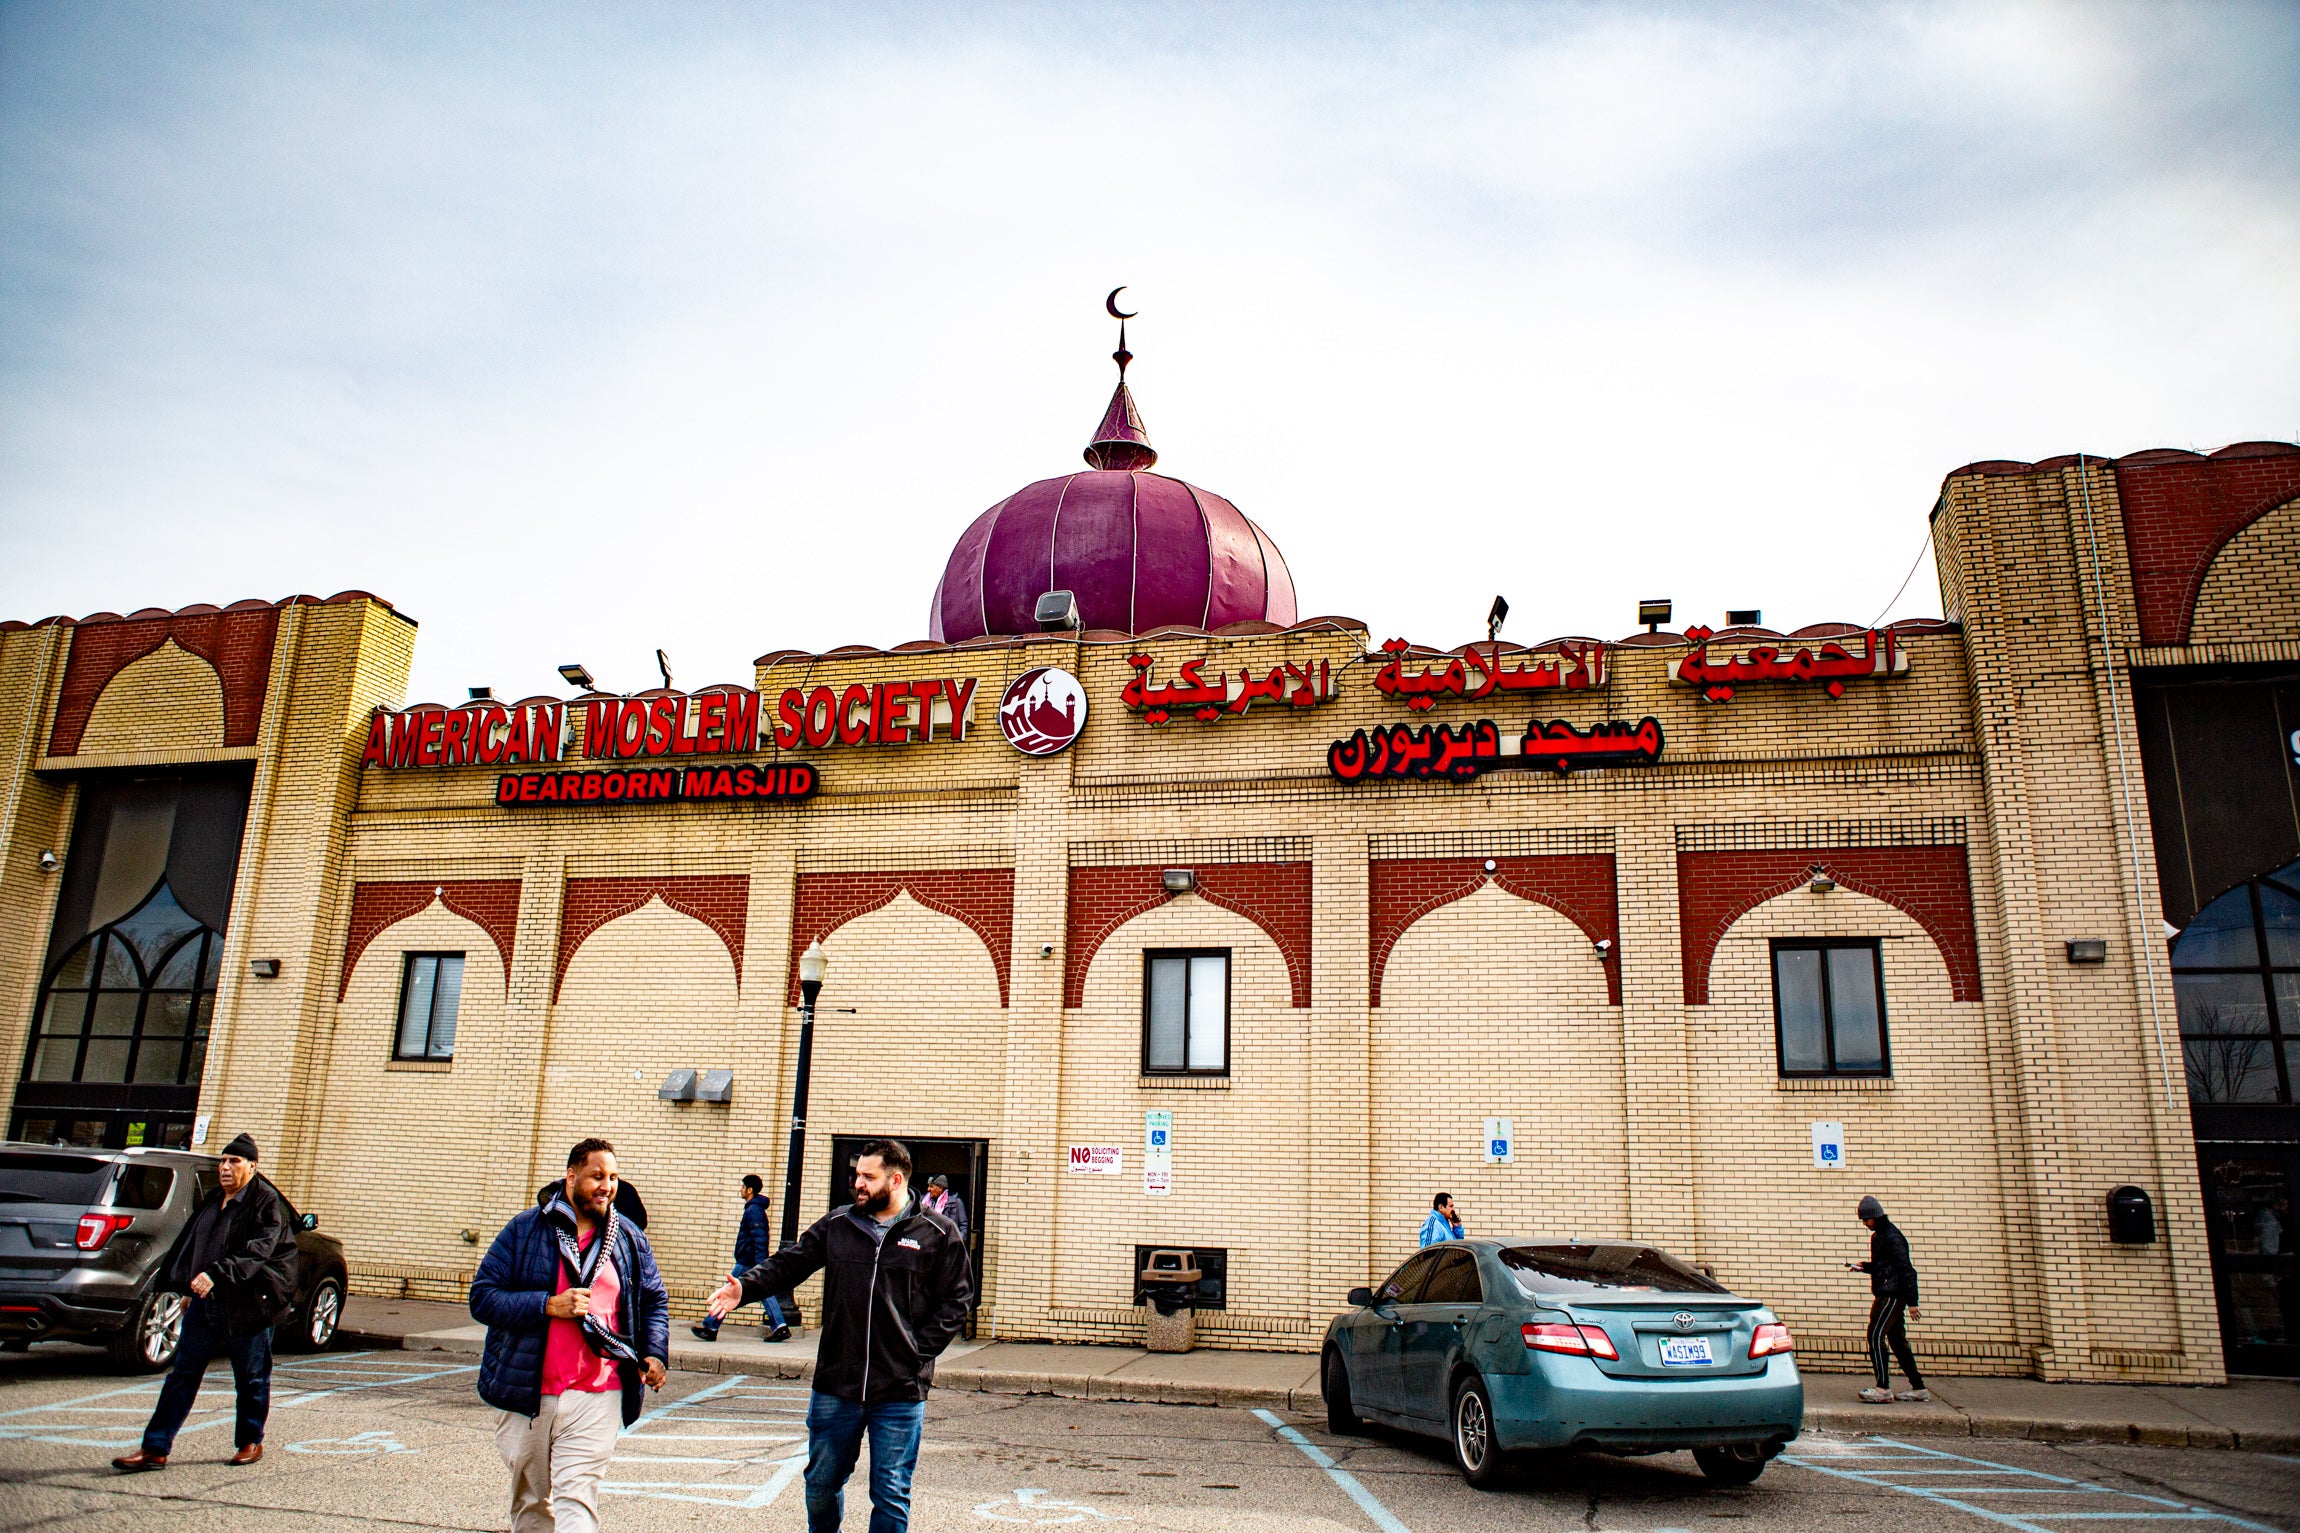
pixel 811 967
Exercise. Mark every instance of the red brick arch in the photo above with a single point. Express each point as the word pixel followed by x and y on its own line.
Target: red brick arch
pixel 981 898
pixel 2180 510
pixel 1577 885
pixel 1932 885
pixel 236 641
pixel 718 900
pixel 1273 895
pixel 491 903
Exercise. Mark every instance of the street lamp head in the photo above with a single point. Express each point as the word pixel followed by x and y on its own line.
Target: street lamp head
pixel 812 966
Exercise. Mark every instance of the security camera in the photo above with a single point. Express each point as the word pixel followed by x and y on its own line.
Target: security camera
pixel 50 862
pixel 1046 950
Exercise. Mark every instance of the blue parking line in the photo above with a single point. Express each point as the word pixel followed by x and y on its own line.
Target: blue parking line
pixel 1932 1461
pixel 1381 1515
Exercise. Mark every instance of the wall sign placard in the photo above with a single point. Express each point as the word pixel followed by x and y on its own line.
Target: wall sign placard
pixel 1478 674
pixel 1097 1159
pixel 1158 1152
pixel 1828 1146
pixel 1832 664
pixel 1042 711
pixel 1299 686
pixel 657 785
pixel 1459 753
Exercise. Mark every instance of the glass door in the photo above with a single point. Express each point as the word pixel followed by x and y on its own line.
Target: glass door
pixel 2256 1274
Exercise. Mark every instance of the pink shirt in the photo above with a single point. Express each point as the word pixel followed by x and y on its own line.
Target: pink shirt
pixel 569 1364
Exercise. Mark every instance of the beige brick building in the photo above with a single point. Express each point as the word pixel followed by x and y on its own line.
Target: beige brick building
pixel 1773 920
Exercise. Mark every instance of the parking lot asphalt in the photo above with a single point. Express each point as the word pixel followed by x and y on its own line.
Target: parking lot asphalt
pixel 398 1439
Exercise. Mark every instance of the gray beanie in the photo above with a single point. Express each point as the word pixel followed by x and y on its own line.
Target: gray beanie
pixel 1872 1209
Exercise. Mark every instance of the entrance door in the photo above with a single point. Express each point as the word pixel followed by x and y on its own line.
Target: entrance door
pixel 965 1161
pixel 2255 1271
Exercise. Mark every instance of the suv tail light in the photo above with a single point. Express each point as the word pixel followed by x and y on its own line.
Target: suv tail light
pixel 1771 1337
pixel 1575 1340
pixel 95 1229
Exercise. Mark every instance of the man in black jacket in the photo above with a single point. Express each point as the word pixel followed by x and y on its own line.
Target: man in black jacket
pixel 237 1260
pixel 1893 1290
pixel 896 1282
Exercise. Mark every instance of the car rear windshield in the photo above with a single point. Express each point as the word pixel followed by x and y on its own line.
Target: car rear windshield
pixel 1601 1268
pixel 38 1178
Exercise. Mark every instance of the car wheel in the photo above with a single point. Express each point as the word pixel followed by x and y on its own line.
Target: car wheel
pixel 1475 1452
pixel 1334 1384
pixel 1731 1466
pixel 148 1343
pixel 316 1326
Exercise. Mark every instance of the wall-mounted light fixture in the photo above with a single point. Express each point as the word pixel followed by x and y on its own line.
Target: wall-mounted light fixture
pixel 1179 880
pixel 1822 883
pixel 576 676
pixel 264 968
pixel 1604 948
pixel 1046 950
pixel 50 862
pixel 2088 950
pixel 1653 612
pixel 1056 611
pixel 716 1086
pixel 481 694
pixel 1491 865
pixel 678 1086
pixel 1743 617
pixel 1495 616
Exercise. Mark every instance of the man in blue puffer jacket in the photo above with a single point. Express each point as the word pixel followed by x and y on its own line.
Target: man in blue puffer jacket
pixel 577 1321
pixel 753 1245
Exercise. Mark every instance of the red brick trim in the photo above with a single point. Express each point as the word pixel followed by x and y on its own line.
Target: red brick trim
pixel 1577 885
pixel 982 898
pixel 237 642
pixel 2179 514
pixel 1931 884
pixel 718 900
pixel 492 903
pixel 1273 895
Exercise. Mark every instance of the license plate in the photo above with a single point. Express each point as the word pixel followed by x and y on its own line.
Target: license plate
pixel 1685 1351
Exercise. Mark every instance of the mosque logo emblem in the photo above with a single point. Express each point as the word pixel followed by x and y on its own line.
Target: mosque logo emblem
pixel 1042 711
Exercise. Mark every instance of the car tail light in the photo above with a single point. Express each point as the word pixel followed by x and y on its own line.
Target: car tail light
pixel 1771 1337
pixel 1575 1340
pixel 95 1229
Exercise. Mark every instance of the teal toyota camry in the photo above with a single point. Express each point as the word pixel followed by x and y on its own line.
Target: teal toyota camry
pixel 1503 1346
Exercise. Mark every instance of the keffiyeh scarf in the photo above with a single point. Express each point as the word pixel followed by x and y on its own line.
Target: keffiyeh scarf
pixel 582 1266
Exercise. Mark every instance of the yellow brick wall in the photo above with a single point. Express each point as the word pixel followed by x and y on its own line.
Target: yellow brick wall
pixel 2251 591
pixel 170 700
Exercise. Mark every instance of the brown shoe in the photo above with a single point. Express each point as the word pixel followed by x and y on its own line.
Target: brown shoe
pixel 248 1454
pixel 140 1462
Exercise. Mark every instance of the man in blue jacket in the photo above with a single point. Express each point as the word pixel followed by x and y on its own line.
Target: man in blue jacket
pixel 752 1246
pixel 578 1321
pixel 1443 1224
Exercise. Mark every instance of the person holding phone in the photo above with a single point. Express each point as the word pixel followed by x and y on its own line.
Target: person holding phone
pixel 1892 1299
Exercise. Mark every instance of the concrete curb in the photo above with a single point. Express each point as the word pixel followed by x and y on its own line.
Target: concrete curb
pixel 1934 1421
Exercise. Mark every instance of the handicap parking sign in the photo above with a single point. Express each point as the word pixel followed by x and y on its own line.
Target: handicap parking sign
pixel 1828 1146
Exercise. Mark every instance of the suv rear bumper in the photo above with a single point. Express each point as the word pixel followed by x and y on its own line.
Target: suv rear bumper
pixel 47 1314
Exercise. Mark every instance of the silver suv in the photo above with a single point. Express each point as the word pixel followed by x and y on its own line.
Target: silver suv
pixel 84 1235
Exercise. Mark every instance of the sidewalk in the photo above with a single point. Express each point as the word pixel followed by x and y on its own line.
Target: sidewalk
pixel 2259 1415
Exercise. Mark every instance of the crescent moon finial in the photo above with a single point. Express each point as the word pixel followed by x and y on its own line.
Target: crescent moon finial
pixel 1111 303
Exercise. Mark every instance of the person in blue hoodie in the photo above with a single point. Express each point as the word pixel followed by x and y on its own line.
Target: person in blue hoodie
pixel 1443 1223
pixel 753 1245
pixel 578 1322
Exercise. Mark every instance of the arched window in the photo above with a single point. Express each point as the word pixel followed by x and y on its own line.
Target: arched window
pixel 2236 971
pixel 131 1002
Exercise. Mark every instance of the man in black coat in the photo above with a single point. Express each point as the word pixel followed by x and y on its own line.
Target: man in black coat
pixel 1893 1295
pixel 896 1282
pixel 237 1260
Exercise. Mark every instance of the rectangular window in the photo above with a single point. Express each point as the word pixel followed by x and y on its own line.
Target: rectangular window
pixel 1186 1012
pixel 1829 1007
pixel 428 994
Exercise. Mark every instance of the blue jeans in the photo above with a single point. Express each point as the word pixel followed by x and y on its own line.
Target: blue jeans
pixel 204 1337
pixel 835 1430
pixel 770 1304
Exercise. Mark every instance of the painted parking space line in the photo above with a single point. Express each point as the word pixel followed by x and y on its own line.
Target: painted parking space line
pixel 737 1413
pixel 114 1418
pixel 1984 1488
pixel 1351 1485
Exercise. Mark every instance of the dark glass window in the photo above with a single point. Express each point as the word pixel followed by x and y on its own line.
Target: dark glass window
pixel 1455 1281
pixel 2236 977
pixel 132 1001
pixel 1405 1284
pixel 142 1187
pixel 1186 1012
pixel 430 989
pixel 1554 1269
pixel 1829 1007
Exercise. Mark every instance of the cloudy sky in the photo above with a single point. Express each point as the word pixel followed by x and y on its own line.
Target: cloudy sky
pixel 578 330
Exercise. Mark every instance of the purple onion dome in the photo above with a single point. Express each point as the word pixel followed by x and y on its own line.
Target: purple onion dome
pixel 1138 550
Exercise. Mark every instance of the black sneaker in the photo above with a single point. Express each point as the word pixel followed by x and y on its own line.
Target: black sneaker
pixel 704 1333
pixel 779 1333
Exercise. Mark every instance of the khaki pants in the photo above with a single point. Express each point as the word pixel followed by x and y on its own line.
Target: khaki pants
pixel 557 1458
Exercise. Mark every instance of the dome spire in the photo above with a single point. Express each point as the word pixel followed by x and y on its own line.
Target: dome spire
pixel 1120 442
